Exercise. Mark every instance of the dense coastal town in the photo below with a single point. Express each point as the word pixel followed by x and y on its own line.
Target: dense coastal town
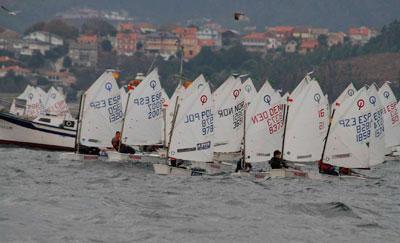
pixel 57 52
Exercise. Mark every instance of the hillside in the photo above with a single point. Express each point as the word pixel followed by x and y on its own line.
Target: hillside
pixel 361 70
pixel 336 15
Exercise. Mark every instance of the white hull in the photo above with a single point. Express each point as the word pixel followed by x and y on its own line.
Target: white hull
pixel 214 167
pixel 274 173
pixel 21 132
pixel 151 158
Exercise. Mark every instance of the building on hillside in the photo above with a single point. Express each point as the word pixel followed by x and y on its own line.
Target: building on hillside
pixel 255 42
pixel 302 32
pixel 272 42
pixel 291 46
pixel 88 39
pixel 316 32
pixel 360 36
pixel 336 38
pixel 59 78
pixel 7 39
pixel 7 59
pixel 126 43
pixel 307 46
pixel 17 70
pixel 45 37
pixel 145 28
pixel 283 33
pixel 126 27
pixel 207 34
pixel 164 44
pixel 188 40
pixel 84 52
pixel 29 47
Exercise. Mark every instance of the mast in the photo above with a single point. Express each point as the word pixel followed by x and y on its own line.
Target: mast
pixel 173 125
pixel 164 110
pixel 123 120
pixel 327 135
pixel 79 122
pixel 244 136
pixel 286 113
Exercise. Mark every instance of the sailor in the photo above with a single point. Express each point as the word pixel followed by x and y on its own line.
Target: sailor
pixel 240 166
pixel 332 170
pixel 119 146
pixel 277 162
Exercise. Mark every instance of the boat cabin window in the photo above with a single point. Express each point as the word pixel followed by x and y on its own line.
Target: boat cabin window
pixel 45 120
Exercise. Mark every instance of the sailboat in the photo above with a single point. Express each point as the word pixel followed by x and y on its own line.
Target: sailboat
pixel 229 118
pixel 18 104
pixel 55 104
pixel 307 122
pixel 390 117
pixel 100 117
pixel 142 121
pixel 264 125
pixel 192 132
pixel 26 126
pixel 356 135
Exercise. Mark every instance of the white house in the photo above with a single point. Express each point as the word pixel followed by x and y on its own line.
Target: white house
pixel 45 37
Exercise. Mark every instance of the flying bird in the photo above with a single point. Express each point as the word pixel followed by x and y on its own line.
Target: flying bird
pixel 13 13
pixel 240 16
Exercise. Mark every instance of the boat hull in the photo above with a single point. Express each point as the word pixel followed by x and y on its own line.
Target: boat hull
pixel 20 132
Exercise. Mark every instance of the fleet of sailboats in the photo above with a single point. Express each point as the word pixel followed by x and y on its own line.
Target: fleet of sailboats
pixel 196 125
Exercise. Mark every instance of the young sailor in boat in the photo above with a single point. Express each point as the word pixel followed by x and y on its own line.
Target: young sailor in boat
pixel 277 162
pixel 119 146
pixel 332 170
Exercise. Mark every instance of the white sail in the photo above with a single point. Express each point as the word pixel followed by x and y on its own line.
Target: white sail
pixel 263 99
pixel 390 116
pixel 55 104
pixel 307 123
pixel 229 109
pixel 192 137
pixel 102 112
pixel 377 147
pixel 14 109
pixel 349 91
pixel 348 141
pixel 249 91
pixel 43 99
pixel 34 105
pixel 143 118
pixel 265 125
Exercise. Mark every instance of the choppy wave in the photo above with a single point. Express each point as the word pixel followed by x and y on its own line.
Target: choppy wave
pixel 43 199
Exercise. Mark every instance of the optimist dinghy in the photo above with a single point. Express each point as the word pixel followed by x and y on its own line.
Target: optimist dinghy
pixel 229 103
pixel 142 121
pixel 100 116
pixel 191 136
pixel 356 139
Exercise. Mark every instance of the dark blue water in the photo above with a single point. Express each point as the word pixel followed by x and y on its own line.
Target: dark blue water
pixel 43 199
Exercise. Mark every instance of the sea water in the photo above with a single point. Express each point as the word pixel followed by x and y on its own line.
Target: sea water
pixel 44 199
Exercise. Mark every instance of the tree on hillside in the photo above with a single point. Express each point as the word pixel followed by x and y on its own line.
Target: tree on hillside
pixel 106 46
pixel 57 27
pixel 97 26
